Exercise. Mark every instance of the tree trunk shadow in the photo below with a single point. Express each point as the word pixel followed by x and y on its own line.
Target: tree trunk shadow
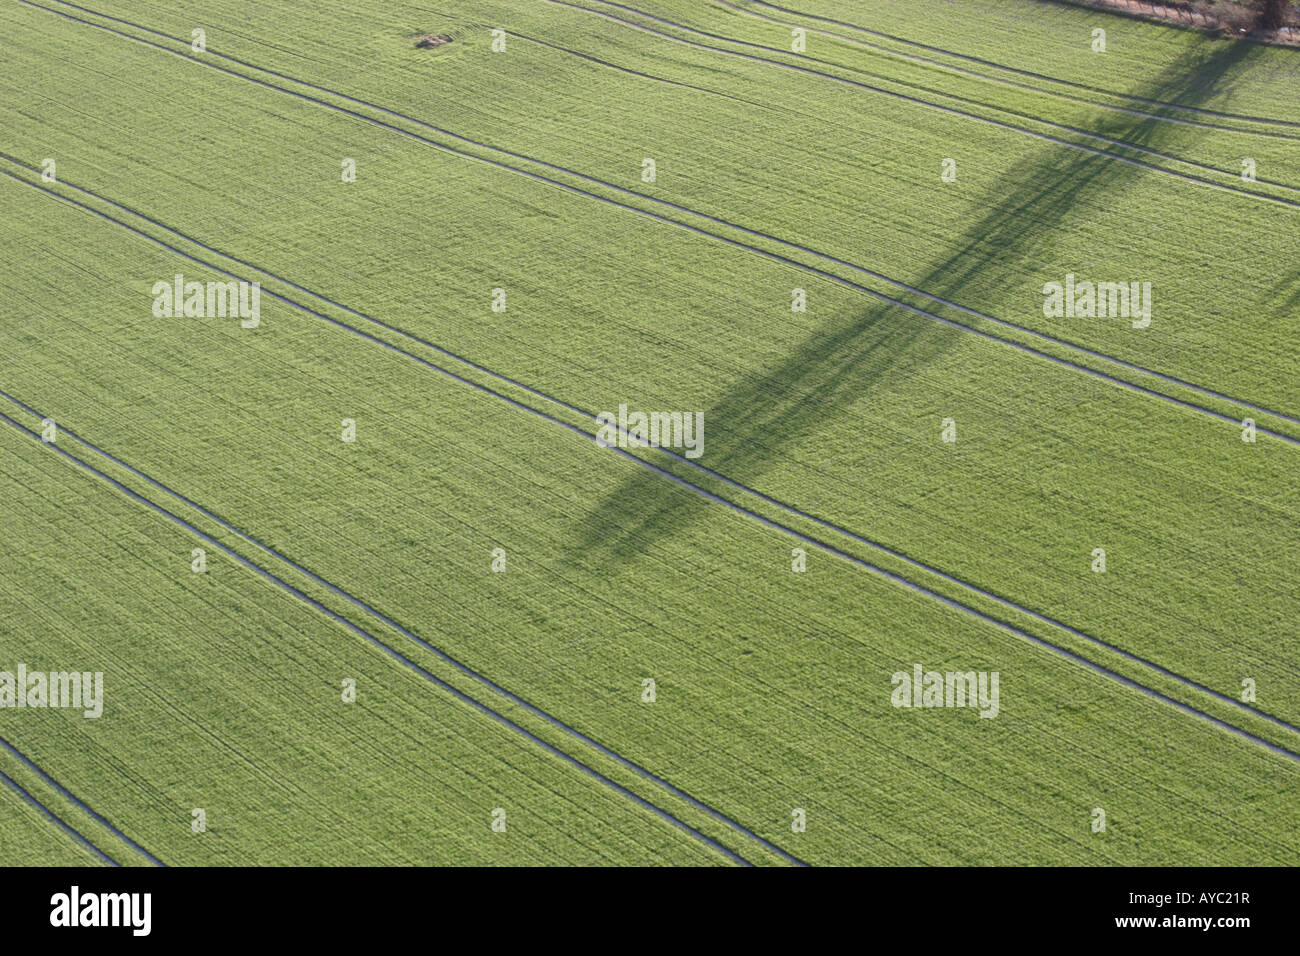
pixel 759 416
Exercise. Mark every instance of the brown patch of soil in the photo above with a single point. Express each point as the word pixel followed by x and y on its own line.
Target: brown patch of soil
pixel 426 40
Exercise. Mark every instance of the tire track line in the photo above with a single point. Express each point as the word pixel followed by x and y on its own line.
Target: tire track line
pixel 1041 77
pixel 377 642
pixel 821 545
pixel 1113 379
pixel 54 818
pixel 1121 144
pixel 785 507
pixel 64 791
pixel 641 771
pixel 816 542
pixel 624 69
pixel 1023 116
pixel 1064 127
pixel 1001 81
pixel 1175 703
pixel 952 110
pixel 1051 124
pixel 1003 323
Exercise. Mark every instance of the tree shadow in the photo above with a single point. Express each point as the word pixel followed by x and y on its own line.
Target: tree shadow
pixel 761 414
pixel 1286 292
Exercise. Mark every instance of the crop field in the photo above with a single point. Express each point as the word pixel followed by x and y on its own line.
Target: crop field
pixel 968 532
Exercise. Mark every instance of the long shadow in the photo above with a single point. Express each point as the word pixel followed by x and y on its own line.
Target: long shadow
pixel 755 420
pixel 1286 292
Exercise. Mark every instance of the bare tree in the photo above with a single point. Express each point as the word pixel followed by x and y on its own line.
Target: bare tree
pixel 1272 13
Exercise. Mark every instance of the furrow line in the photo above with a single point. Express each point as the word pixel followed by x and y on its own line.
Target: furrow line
pixel 54 818
pixel 64 791
pixel 774 502
pixel 1042 77
pixel 952 110
pixel 974 313
pixel 363 633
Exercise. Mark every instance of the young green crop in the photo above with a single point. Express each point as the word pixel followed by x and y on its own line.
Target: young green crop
pixel 772 686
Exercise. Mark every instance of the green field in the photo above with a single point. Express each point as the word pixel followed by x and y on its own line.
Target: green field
pixel 496 586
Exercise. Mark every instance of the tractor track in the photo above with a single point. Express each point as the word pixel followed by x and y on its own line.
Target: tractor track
pixel 726 502
pixel 401 658
pixel 1075 348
